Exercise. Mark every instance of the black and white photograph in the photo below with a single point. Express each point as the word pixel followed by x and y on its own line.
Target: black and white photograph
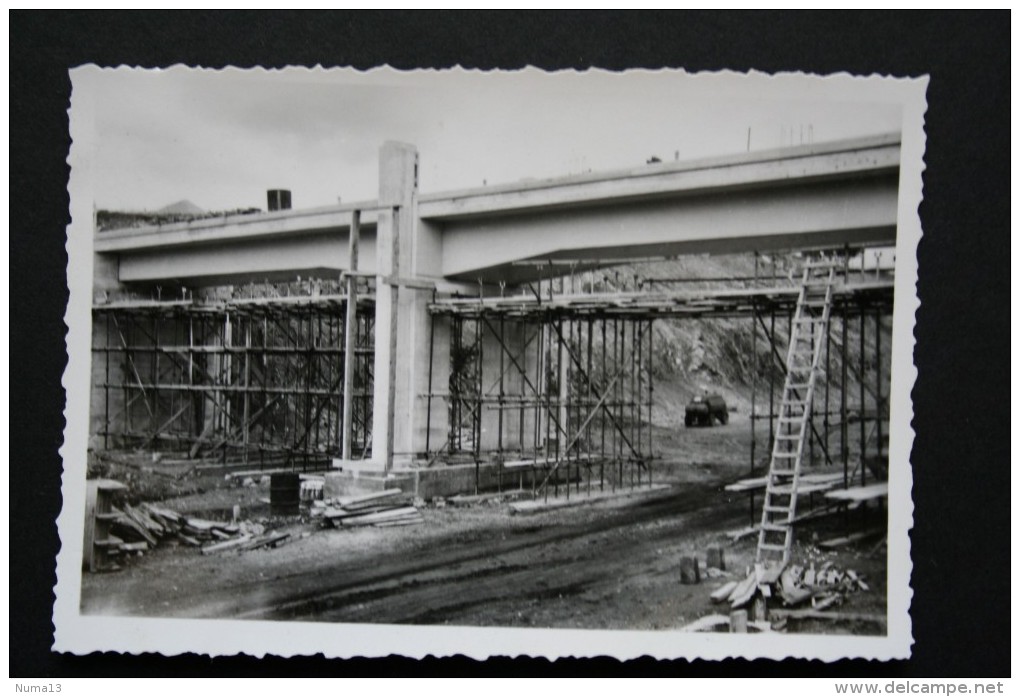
pixel 513 362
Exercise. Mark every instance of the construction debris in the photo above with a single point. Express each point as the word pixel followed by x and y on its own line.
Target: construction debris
pixel 388 508
pixel 140 529
pixel 723 592
pixel 794 585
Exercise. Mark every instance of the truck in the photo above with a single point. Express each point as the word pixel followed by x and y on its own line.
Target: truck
pixel 703 410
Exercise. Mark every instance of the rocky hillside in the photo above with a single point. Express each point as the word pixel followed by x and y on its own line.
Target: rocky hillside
pixel 718 355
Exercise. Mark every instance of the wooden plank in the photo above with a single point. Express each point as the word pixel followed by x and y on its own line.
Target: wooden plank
pixel 134 547
pixel 723 592
pixel 822 477
pixel 127 521
pixel 398 523
pixel 743 591
pixel 822 512
pixel 737 535
pixel 861 493
pixel 258 474
pixel 270 540
pixel 208 525
pixel 351 501
pixel 140 517
pixel 373 518
pixel 335 513
pixel 224 546
pixel 812 488
pixel 108 484
pixel 706 623
pixel 163 512
pixel 849 539
pixel 748 484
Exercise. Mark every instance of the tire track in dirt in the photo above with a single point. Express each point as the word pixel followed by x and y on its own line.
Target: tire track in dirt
pixel 480 579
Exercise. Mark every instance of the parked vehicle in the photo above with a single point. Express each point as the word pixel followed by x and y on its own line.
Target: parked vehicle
pixel 703 410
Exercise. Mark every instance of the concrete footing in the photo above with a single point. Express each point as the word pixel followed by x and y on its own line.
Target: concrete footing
pixel 441 480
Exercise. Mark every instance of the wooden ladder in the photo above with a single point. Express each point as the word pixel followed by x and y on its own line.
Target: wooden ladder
pixel 807 339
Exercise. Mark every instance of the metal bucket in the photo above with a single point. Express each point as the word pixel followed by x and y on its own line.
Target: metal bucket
pixel 284 494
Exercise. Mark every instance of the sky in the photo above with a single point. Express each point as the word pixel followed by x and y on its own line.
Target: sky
pixel 221 139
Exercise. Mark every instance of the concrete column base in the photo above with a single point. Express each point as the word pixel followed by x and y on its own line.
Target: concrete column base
pixel 432 482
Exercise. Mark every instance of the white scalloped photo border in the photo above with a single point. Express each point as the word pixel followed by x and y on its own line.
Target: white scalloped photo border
pixel 80 634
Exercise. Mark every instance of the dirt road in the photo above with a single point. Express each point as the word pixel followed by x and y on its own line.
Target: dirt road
pixel 612 564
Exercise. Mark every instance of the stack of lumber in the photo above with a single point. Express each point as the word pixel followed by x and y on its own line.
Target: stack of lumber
pixel 384 509
pixel 142 528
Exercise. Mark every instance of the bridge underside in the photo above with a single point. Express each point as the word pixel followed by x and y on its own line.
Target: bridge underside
pixel 819 216
pixel 536 378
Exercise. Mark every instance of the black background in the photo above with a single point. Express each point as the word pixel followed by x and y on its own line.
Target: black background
pixel 961 534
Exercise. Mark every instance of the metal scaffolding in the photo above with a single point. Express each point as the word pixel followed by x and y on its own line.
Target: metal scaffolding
pixel 560 384
pixel 258 380
pixel 835 411
pixel 558 395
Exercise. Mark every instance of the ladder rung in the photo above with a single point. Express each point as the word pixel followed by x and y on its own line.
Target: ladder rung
pixel 789 436
pixel 782 490
pixel 770 547
pixel 775 527
pixel 785 456
pixel 777 509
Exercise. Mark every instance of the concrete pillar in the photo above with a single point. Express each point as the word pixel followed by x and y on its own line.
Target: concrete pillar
pixel 398 311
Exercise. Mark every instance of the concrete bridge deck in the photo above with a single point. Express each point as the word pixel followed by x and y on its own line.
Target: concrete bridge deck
pixel 827 194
